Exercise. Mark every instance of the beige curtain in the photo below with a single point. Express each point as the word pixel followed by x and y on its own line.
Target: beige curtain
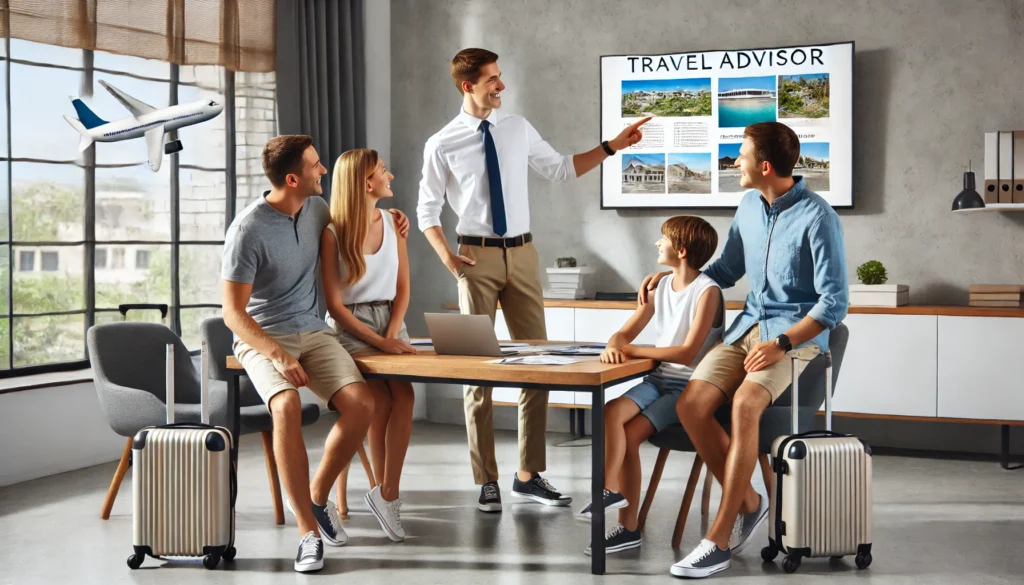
pixel 236 34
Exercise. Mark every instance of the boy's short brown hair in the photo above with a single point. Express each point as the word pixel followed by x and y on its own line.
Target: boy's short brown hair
pixel 467 63
pixel 283 155
pixel 693 234
pixel 776 143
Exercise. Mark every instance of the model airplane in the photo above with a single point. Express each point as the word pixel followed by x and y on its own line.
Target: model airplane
pixel 145 121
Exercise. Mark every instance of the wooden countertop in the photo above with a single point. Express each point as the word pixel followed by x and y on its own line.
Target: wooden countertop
pixel 941 310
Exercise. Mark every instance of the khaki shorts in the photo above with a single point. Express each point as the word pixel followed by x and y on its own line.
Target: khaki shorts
pixel 376 316
pixel 329 367
pixel 722 367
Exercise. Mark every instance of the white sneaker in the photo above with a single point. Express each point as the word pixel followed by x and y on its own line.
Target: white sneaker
pixel 386 513
pixel 328 521
pixel 311 554
pixel 705 560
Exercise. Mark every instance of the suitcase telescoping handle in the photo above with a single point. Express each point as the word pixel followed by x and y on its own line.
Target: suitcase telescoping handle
pixel 796 390
pixel 204 389
pixel 123 309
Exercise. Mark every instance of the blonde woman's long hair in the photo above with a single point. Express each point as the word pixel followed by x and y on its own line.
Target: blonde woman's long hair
pixel 349 208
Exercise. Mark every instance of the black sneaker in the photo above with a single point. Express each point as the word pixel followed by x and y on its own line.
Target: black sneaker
pixel 311 554
pixel 619 539
pixel 612 501
pixel 329 522
pixel 705 560
pixel 745 526
pixel 539 490
pixel 490 498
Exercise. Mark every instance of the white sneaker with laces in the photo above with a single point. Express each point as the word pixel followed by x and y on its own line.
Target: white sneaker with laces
pixel 386 513
pixel 311 554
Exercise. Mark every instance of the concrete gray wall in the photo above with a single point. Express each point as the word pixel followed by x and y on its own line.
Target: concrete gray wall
pixel 931 76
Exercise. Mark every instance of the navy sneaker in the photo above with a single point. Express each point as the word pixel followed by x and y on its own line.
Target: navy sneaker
pixel 619 539
pixel 490 498
pixel 329 522
pixel 705 560
pixel 612 501
pixel 746 524
pixel 539 490
pixel 311 554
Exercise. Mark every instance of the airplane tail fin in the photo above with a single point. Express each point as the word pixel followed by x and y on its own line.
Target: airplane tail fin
pixel 88 118
pixel 86 138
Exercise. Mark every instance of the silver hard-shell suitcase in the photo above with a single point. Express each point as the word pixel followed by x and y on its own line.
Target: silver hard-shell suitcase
pixel 183 485
pixel 821 501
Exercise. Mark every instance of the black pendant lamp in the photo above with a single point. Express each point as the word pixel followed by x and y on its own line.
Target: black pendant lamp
pixel 969 197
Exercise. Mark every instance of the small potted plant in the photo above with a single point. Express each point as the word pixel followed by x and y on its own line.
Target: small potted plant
pixel 873 290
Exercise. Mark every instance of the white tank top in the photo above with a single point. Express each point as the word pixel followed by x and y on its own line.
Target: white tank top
pixel 673 315
pixel 380 282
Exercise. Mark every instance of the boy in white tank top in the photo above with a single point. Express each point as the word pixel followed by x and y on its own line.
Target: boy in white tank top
pixel 688 316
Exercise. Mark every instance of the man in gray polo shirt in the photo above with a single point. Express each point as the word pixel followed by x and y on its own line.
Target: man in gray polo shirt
pixel 270 303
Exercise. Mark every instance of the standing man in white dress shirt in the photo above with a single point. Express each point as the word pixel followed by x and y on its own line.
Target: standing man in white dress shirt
pixel 480 161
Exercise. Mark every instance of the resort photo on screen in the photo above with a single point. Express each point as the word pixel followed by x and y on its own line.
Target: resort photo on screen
pixel 689 172
pixel 803 96
pixel 643 173
pixel 743 101
pixel 728 174
pixel 666 97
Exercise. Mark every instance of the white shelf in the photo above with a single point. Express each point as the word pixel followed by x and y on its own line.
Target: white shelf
pixel 995 207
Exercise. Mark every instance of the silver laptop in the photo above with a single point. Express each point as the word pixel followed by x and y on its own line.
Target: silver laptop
pixel 458 334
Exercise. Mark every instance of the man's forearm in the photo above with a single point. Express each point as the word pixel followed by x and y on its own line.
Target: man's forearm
pixel 435 235
pixel 587 161
pixel 246 328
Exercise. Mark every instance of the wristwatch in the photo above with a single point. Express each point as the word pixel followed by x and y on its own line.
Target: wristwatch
pixel 607 149
pixel 784 343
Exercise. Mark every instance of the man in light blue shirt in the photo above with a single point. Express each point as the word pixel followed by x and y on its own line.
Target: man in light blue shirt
pixel 788 241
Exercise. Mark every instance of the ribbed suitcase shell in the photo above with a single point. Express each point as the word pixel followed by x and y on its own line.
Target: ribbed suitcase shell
pixel 825 495
pixel 182 492
pixel 182 477
pixel 821 501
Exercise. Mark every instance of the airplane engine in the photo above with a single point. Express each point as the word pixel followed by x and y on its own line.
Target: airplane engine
pixel 173 147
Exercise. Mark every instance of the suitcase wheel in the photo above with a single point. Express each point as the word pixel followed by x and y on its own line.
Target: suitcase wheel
pixel 863 560
pixel 769 553
pixel 135 561
pixel 791 563
pixel 211 561
pixel 229 554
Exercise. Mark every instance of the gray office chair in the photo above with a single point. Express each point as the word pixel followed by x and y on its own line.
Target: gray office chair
pixel 255 418
pixel 776 421
pixel 128 364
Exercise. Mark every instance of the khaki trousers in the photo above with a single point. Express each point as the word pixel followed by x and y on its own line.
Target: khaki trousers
pixel 511 276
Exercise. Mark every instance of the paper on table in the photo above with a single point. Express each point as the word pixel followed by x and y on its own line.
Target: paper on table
pixel 536 360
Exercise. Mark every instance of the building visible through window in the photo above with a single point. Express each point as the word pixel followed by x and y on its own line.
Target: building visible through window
pixel 49 261
pixel 142 259
pixel 27 261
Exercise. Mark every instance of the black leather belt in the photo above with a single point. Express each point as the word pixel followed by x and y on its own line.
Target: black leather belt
pixel 496 242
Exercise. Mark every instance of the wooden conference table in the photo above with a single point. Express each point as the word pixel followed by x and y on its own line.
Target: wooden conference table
pixel 587 375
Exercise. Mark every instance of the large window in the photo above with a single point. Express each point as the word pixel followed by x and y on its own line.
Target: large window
pixel 82 232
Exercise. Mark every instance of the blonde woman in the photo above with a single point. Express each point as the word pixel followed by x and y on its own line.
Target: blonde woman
pixel 366 282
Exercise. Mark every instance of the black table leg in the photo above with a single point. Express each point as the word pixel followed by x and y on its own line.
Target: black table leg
pixel 597 483
pixel 581 421
pixel 572 421
pixel 234 418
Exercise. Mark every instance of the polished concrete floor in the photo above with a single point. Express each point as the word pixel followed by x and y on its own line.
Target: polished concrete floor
pixel 935 521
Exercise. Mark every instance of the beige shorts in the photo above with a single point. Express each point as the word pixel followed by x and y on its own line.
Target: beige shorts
pixel 329 367
pixel 722 367
pixel 376 316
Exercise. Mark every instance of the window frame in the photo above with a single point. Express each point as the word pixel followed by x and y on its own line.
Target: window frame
pixel 90 243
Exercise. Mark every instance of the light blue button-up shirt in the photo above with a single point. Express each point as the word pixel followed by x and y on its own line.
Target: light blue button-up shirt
pixel 794 257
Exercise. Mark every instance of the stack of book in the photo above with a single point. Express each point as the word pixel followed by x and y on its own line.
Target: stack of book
pixel 996 295
pixel 567 283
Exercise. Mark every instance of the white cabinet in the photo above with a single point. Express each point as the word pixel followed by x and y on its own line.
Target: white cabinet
pixel 559 327
pixel 889 366
pixel 981 370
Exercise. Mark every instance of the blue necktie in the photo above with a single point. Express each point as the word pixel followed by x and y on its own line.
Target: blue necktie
pixel 494 181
